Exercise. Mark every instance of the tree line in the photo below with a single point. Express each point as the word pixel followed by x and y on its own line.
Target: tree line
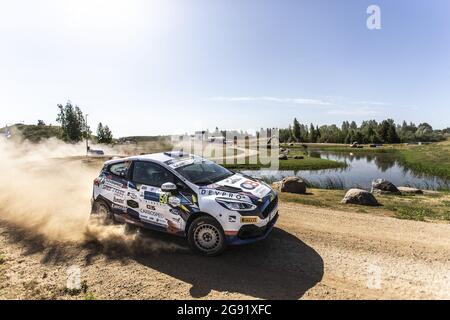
pixel 75 128
pixel 369 132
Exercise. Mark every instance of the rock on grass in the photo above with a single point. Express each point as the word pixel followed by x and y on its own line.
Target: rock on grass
pixel 361 197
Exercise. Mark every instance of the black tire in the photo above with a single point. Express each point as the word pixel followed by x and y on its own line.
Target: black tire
pixel 102 212
pixel 206 236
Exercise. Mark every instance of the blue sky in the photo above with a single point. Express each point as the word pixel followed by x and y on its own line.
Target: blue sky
pixel 157 67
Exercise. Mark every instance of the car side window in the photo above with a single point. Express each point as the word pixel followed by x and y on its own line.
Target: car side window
pixel 120 169
pixel 151 174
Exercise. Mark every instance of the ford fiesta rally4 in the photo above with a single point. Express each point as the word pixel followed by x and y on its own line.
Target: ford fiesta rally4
pixel 188 196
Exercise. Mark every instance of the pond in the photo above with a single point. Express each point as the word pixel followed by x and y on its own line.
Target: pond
pixel 361 170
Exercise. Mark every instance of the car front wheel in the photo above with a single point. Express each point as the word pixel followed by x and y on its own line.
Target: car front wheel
pixel 206 236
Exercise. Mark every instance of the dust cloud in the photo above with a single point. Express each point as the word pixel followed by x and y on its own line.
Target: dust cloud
pixel 46 189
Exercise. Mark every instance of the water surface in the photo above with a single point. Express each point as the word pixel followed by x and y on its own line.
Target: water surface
pixel 361 170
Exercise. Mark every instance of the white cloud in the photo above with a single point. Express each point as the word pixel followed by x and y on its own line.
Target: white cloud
pixel 372 103
pixel 275 99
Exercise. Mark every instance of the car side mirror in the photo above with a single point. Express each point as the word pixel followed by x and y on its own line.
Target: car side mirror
pixel 168 187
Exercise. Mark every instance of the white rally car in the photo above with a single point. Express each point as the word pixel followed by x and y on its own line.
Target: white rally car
pixel 188 196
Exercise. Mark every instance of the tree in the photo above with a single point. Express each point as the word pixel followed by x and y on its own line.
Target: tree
pixel 296 130
pixel 100 132
pixel 104 134
pixel 108 137
pixel 312 134
pixel 72 122
pixel 388 132
pixel 41 123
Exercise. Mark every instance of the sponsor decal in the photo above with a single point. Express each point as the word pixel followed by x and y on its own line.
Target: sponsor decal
pixel 163 198
pixel 249 185
pixel 231 218
pixel 174 201
pixel 273 214
pixel 261 191
pixel 249 219
pixel 152 196
pixel 150 207
pixel 118 200
pixel 232 180
pixel 211 192
pixel 181 163
pixel 113 189
pixel 106 187
pixel 119 192
pixel 119 207
pixel 132 195
pixel 153 203
pixel 114 184
pixel 175 211
pixel 151 213
pixel 151 217
pixel 133 204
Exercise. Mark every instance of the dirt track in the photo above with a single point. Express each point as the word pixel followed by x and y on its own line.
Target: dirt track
pixel 313 254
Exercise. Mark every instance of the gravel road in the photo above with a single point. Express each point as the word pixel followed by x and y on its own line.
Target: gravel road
pixel 313 253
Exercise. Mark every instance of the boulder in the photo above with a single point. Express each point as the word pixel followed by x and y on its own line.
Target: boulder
pixel 381 186
pixel 409 190
pixel 283 157
pixel 361 197
pixel 276 185
pixel 293 185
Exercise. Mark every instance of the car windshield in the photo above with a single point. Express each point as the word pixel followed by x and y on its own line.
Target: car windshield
pixel 204 172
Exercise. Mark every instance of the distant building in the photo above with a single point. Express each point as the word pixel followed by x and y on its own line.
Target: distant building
pixel 201 135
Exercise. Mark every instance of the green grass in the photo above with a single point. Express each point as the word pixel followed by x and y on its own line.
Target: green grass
pixel 307 163
pixel 89 296
pixel 415 213
pixel 35 133
pixel 344 148
pixel 426 207
pixel 433 159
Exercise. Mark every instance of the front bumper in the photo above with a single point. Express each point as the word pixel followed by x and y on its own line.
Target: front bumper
pixel 252 233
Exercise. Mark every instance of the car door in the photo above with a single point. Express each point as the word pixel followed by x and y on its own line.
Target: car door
pixel 152 203
pixel 113 186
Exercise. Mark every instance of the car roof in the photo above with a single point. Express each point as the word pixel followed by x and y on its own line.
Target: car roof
pixel 161 157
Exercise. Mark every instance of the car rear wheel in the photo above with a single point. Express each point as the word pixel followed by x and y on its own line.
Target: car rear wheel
pixel 206 236
pixel 102 212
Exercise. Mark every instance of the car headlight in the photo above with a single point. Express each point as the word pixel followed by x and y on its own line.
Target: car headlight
pixel 236 205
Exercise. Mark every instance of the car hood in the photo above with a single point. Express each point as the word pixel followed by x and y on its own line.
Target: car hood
pixel 241 183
